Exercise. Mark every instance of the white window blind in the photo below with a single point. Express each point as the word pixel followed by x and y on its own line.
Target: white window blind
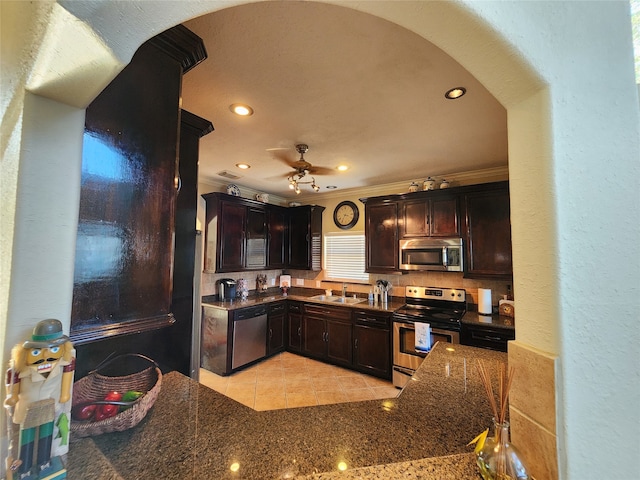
pixel 344 257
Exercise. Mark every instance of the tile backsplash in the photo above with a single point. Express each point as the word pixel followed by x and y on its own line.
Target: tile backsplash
pixel 316 280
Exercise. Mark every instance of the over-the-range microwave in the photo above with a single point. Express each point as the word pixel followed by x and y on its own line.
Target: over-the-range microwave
pixel 438 254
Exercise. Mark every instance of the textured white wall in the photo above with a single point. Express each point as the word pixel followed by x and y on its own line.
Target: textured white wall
pixel 564 70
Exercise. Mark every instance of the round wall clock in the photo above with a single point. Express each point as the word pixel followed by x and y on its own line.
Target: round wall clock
pixel 346 214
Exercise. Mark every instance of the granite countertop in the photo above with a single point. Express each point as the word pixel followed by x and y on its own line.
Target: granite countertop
pixel 195 432
pixel 394 304
pixel 498 321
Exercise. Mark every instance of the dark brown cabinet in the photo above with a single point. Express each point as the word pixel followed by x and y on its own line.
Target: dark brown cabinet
pixel 431 215
pixel 294 326
pixel 276 327
pixel 327 333
pixel 488 231
pixel 276 244
pixel 486 337
pixel 256 239
pixel 243 235
pixel 372 343
pixel 305 237
pixel 381 233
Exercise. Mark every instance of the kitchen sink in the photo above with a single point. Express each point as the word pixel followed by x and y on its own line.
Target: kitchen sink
pixel 337 299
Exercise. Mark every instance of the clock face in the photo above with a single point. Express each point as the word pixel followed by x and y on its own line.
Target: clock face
pixel 346 214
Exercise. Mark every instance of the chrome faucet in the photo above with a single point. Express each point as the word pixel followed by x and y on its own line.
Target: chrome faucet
pixel 344 290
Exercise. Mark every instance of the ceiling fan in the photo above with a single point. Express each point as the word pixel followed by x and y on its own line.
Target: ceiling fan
pixel 303 168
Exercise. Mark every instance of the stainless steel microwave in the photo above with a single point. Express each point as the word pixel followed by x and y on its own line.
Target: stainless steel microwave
pixel 439 254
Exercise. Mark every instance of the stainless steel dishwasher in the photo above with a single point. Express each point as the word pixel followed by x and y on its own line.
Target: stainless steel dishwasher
pixel 249 336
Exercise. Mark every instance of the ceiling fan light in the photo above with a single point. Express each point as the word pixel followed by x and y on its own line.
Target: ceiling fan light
pixel 343 168
pixel 297 189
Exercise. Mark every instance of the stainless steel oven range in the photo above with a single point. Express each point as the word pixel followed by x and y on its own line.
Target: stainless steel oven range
pixel 441 308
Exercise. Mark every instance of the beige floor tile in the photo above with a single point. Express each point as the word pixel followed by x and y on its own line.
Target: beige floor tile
pixel 301 400
pixel 293 374
pixel 298 386
pixel 270 389
pixel 385 392
pixel 244 376
pixel 270 402
pixel 359 394
pixel 331 396
pixel 287 380
pixel 350 383
pixel 325 383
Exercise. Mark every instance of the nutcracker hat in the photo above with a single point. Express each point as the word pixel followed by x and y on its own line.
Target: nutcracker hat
pixel 46 334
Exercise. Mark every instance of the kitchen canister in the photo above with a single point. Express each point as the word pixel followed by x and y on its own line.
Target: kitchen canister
pixel 484 301
pixel 413 187
pixel 444 184
pixel 242 287
pixel 429 184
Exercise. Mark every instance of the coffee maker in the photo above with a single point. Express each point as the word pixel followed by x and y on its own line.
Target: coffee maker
pixel 226 289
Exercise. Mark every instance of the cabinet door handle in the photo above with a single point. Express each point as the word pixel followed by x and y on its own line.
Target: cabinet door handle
pixel 270 333
pixel 299 331
pixel 356 345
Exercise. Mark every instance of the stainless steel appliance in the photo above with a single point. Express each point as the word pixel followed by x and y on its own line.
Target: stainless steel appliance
pixel 439 254
pixel 249 336
pixel 441 308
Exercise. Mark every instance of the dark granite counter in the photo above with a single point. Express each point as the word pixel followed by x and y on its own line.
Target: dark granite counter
pixel 195 432
pixel 391 306
pixel 498 321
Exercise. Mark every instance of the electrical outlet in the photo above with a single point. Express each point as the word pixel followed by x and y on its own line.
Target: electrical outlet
pixel 318 283
pixel 273 281
pixel 299 281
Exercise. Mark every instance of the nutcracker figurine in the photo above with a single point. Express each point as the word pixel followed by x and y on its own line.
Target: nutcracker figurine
pixel 39 384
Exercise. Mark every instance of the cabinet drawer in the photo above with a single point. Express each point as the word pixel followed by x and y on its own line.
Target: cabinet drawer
pixel 363 317
pixel 330 313
pixel 295 307
pixel 276 308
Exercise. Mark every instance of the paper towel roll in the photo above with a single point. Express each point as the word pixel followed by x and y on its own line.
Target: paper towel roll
pixel 484 301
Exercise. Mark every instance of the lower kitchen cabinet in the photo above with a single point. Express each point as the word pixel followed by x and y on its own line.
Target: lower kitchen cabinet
pixel 372 343
pixel 276 328
pixel 327 333
pixel 294 327
pixel 486 337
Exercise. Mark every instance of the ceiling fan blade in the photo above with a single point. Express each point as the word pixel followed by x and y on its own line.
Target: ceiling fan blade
pixel 284 158
pixel 322 171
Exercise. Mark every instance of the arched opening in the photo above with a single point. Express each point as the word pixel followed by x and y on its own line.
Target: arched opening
pixel 43 126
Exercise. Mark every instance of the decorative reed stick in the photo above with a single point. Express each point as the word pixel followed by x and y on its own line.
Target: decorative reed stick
pixel 505 378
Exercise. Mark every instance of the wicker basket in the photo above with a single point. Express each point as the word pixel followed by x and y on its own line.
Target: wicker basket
pixel 96 385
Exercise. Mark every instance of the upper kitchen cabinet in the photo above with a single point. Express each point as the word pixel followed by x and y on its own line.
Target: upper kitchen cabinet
pixel 234 234
pixel 305 237
pixel 430 214
pixel 381 233
pixel 276 237
pixel 488 231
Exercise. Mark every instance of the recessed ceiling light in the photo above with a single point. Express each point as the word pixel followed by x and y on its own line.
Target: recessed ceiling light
pixel 331 187
pixel 455 93
pixel 343 168
pixel 243 166
pixel 241 109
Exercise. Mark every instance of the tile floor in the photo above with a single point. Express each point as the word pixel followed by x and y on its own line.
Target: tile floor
pixel 287 380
